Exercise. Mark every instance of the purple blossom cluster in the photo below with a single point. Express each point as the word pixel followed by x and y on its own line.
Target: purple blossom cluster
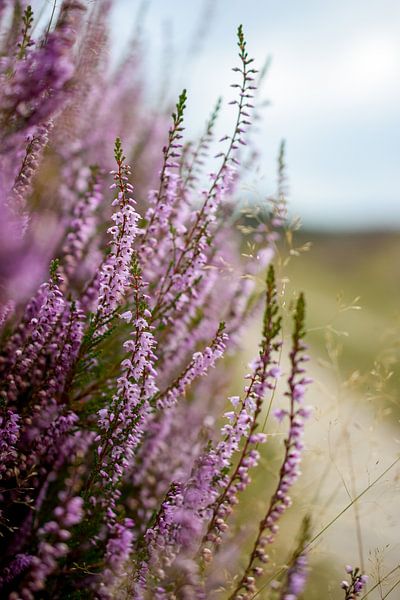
pixel 353 588
pixel 296 578
pixel 116 478
pixel 280 501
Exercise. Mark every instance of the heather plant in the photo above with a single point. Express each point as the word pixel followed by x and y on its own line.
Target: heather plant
pixel 122 471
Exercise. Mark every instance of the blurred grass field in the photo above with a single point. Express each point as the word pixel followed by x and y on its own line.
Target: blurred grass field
pixel 352 287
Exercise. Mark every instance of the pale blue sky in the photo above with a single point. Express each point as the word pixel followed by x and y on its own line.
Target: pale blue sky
pixel 333 84
pixel 334 87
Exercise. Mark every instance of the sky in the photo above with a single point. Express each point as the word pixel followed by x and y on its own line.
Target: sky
pixel 333 87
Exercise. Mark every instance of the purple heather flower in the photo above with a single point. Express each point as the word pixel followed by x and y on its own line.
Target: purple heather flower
pixel 280 414
pixel 5 311
pixel 119 547
pixel 355 586
pixel 115 275
pixel 36 89
pixel 41 326
pixel 15 569
pixel 9 433
pixel 82 225
pixel 121 423
pixel 52 546
pixel 289 471
pixel 296 578
pixel 34 144
pixel 198 367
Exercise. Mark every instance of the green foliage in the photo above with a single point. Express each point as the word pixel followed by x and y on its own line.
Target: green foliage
pixel 27 21
pixel 118 152
pixel 299 319
pixel 272 321
pixel 174 134
pixel 242 46
pixel 241 41
pixel 54 265
pixel 92 350
pixel 177 116
pixel 214 116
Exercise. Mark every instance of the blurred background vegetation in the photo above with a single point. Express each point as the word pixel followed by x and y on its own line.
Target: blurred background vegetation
pixel 345 269
pixel 352 286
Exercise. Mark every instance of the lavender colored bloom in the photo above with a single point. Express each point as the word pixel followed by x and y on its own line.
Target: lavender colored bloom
pixel 35 144
pixel 35 90
pixel 200 364
pixel 296 578
pixel 289 472
pixel 9 433
pixel 119 547
pixel 122 422
pixel 5 312
pixel 21 263
pixel 41 328
pixel 52 546
pixel 82 226
pixel 353 588
pixel 244 422
pixel 15 569
pixel 115 276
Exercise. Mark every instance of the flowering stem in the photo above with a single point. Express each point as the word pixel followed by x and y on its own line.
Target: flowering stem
pixel 288 472
pixel 192 239
pixel 271 328
pixel 169 152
